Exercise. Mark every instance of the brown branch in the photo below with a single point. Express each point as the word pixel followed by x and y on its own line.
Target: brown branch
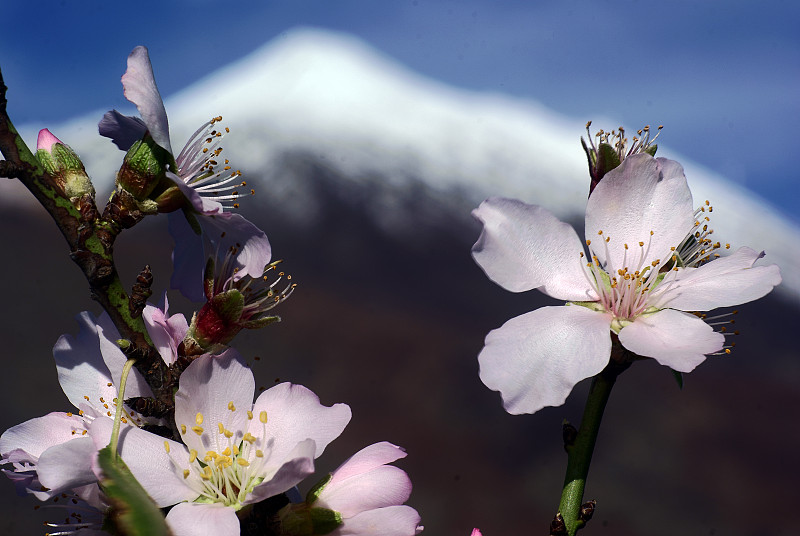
pixel 90 237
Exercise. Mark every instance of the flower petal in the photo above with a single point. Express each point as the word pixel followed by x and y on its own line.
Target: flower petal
pixel 523 247
pixel 643 194
pixel 123 130
pixel 39 434
pixel 145 455
pixel 167 332
pixel 295 414
pixel 673 338
pixel 723 282
pixel 367 459
pixel 389 521
pixel 198 519
pixel 535 359
pixel 293 469
pixel 68 465
pixel 140 88
pixel 380 487
pixel 219 233
pixel 210 386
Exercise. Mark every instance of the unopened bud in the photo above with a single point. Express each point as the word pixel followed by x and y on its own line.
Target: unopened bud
pixel 64 165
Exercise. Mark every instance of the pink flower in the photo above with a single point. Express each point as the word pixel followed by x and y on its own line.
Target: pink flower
pixel 234 452
pixel 648 266
pixel 369 495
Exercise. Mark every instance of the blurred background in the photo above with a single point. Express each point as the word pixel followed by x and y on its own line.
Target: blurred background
pixel 369 131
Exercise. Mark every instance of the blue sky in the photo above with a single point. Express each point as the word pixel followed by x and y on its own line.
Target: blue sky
pixel 722 76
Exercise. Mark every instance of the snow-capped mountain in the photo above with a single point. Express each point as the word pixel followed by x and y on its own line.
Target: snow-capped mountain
pixel 335 100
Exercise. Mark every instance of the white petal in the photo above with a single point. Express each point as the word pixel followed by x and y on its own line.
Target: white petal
pixel 383 486
pixel 367 459
pixel 196 519
pixel 68 465
pixel 210 386
pixel 295 414
pixel 643 194
pixel 292 470
pixel 723 282
pixel 523 247
pixel 140 88
pixel 673 338
pixel 39 434
pixel 389 521
pixel 535 360
pixel 145 455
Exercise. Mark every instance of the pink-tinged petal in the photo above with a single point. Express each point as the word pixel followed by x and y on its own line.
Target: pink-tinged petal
pixel 723 282
pixel 218 234
pixel 144 453
pixel 367 459
pixel 39 434
pixel 673 338
pixel 643 194
pixel 46 140
pixel 297 466
pixel 380 487
pixel 535 359
pixel 199 203
pixel 523 247
pixel 140 88
pixel 476 532
pixel 197 519
pixel 123 130
pixel 389 521
pixel 210 386
pixel 167 332
pixel 294 414
pixel 68 465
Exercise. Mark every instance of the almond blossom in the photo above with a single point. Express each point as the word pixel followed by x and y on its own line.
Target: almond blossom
pixel 234 453
pixel 196 172
pixel 53 454
pixel 368 494
pixel 650 264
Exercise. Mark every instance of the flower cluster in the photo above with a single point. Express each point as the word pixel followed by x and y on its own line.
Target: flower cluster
pixel 214 452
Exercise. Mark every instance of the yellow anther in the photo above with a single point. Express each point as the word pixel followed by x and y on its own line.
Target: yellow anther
pixel 626 246
pixel 263 416
pixel 227 451
pixel 221 428
pixel 259 453
pixel 641 244
pixel 651 233
pixel 228 434
pixel 166 446
pixel 231 406
pixel 250 438
pixel 183 428
pixel 192 455
pixel 197 430
pixel 588 242
pixel 185 474
pixel 109 384
pixel 198 419
pixel 69 414
pixel 242 462
pixel 235 450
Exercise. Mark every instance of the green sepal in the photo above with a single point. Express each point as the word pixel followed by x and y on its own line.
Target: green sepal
pixel 652 150
pixel 678 378
pixel 261 322
pixel 144 167
pixel 64 165
pixel 132 512
pixel 324 521
pixel 607 159
pixel 229 305
pixel 313 493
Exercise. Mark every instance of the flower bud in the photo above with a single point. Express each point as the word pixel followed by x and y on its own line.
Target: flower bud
pixel 144 168
pixel 301 519
pixel 63 164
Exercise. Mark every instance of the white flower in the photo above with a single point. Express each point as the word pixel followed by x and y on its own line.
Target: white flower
pixel 637 282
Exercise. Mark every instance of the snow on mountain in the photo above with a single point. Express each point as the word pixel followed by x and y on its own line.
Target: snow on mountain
pixel 334 98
